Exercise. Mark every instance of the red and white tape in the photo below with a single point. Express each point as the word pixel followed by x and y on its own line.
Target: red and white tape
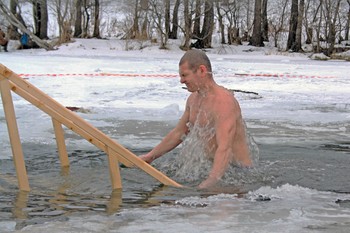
pixel 137 75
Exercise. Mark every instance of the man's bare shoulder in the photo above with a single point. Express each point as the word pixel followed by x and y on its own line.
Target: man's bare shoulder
pixel 225 96
pixel 226 103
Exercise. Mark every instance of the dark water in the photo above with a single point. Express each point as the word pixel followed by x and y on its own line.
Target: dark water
pixel 312 161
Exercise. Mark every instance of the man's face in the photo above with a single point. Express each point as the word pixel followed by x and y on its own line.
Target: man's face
pixel 189 77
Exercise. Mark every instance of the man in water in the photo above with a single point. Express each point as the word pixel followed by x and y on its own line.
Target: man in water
pixel 213 106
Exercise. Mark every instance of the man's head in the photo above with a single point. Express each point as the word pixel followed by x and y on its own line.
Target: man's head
pixel 195 70
pixel 195 58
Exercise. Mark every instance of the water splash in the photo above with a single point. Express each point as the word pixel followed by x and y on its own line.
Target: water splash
pixel 192 163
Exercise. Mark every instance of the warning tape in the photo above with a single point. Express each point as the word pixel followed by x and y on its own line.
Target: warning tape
pixel 167 75
pixel 283 76
pixel 101 74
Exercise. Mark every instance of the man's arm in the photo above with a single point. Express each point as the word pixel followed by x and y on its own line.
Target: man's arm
pixel 171 140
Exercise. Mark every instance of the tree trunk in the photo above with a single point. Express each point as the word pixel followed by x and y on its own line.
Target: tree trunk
pixel 298 33
pixel 208 24
pixel 221 23
pixel 188 24
pixel 16 23
pixel 135 32
pixel 87 19
pixel 309 35
pixel 96 33
pixel 233 36
pixel 197 20
pixel 318 32
pixel 44 20
pixel 248 19
pixel 144 29
pixel 256 39
pixel 175 23
pixel 265 25
pixel 293 23
pixel 78 19
pixel 332 32
pixel 37 17
pixel 347 24
pixel 40 14
pixel 167 18
pixel 13 31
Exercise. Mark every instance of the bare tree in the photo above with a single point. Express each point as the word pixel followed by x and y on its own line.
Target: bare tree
pixel 12 19
pixel 13 31
pixel 248 15
pixel 208 24
pixel 308 29
pixel 221 21
pixel 44 20
pixel 318 30
pixel 256 39
pixel 347 27
pixel 293 23
pixel 277 21
pixel 332 30
pixel 188 24
pixel 86 17
pixel 197 20
pixel 61 8
pixel 135 31
pixel 175 21
pixel 265 25
pixel 78 19
pixel 167 17
pixel 97 20
pixel 157 9
pixel 297 47
pixel 231 14
pixel 40 14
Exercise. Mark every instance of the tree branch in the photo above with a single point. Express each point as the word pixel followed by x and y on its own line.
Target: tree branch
pixel 16 23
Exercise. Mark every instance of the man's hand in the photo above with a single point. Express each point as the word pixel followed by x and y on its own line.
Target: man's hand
pixel 147 158
pixel 208 183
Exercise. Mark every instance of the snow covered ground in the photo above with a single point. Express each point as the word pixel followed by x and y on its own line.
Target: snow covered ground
pixel 300 120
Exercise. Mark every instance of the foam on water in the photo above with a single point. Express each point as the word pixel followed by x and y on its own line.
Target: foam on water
pixel 289 208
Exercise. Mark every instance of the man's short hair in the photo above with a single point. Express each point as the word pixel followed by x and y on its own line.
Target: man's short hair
pixel 195 58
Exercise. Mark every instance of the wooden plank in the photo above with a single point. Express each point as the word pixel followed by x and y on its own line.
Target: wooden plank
pixel 114 170
pixel 124 155
pixel 65 121
pixel 20 207
pixel 115 202
pixel 15 141
pixel 69 124
pixel 61 144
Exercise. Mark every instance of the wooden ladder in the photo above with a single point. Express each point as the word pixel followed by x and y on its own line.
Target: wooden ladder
pixel 9 81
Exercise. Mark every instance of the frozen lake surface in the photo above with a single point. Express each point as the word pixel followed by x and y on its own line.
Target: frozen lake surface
pixel 299 117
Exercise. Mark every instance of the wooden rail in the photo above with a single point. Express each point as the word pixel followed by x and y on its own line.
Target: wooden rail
pixel 9 81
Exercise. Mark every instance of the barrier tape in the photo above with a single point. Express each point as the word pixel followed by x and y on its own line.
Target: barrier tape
pixel 167 75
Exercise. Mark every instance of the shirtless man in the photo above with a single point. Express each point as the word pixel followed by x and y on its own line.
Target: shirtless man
pixel 208 105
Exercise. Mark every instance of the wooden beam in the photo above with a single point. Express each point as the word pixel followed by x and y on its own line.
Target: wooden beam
pixel 114 170
pixel 61 144
pixel 79 125
pixel 15 141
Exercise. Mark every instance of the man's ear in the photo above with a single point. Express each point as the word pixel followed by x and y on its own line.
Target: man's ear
pixel 203 69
